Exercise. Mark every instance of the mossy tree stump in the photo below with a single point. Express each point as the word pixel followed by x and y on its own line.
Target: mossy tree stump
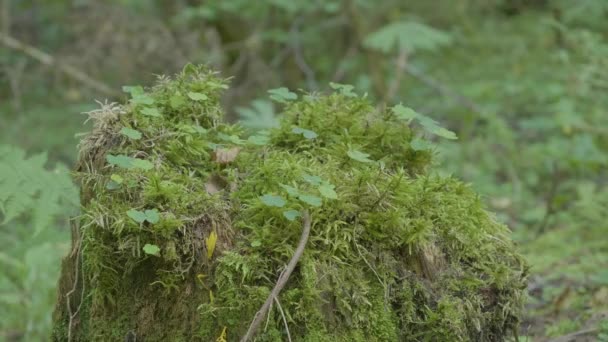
pixel 187 222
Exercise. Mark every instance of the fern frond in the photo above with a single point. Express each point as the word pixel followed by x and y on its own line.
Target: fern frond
pixel 27 187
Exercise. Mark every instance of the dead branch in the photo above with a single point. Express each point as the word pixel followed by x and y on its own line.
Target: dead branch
pixel 51 61
pixel 441 89
pixel 575 336
pixel 283 278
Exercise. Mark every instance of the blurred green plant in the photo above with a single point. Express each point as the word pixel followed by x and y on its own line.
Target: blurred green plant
pixel 34 205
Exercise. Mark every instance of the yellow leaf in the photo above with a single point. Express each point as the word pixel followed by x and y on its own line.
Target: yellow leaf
pixel 210 243
pixel 222 337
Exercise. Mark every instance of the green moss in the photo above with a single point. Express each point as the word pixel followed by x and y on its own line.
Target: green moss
pixel 395 253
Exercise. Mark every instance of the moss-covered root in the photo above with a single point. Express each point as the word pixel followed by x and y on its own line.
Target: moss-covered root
pixel 187 222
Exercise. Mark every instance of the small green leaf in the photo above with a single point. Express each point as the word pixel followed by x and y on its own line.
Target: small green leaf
pixel 291 215
pixel 314 180
pixel 152 216
pixel 128 162
pixel 133 90
pixel 419 144
pixel 151 249
pixel 273 201
pixel 308 134
pixel 136 215
pixel 142 164
pixel 197 96
pixel 151 111
pixel 230 138
pixel 327 191
pixel 176 101
pixel 311 200
pixel 131 133
pixel 282 95
pixel 405 113
pixel 142 99
pixel 112 185
pixel 443 132
pixel 290 190
pixel 344 89
pixel 433 127
pixel 117 178
pixel 256 243
pixel 259 140
pixel 359 156
pixel 198 129
pixel 120 161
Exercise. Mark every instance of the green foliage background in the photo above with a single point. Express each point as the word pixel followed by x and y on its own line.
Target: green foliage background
pixel 522 83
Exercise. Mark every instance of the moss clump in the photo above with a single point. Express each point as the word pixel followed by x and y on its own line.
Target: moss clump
pixel 186 226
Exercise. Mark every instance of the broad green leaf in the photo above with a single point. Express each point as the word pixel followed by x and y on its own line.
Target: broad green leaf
pixel 282 95
pixel 291 215
pixel 311 200
pixel 151 249
pixel 131 133
pixel 308 134
pixel 273 201
pixel 137 216
pixel 327 191
pixel 197 96
pixel 210 244
pixel 151 111
pixel 152 216
pixel 344 89
pixel 359 156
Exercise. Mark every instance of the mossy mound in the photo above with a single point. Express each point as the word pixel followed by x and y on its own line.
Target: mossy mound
pixel 186 226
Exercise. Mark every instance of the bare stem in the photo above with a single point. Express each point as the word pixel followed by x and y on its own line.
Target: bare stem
pixel 283 278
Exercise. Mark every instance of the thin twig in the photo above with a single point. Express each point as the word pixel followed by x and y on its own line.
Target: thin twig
pixel 6 17
pixel 284 319
pixel 283 278
pixel 78 253
pixel 51 61
pixel 400 64
pixel 575 335
pixel 442 89
pixel 298 54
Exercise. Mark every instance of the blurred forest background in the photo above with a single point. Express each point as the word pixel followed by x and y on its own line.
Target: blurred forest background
pixel 524 83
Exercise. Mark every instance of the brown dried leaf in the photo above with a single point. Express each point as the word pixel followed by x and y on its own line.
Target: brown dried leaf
pixel 224 156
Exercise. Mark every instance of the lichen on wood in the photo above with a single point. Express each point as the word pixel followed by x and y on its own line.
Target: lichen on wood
pixel 188 221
